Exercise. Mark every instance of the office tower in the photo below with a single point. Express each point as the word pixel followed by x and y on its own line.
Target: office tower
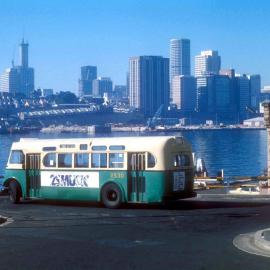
pixel 223 94
pixel 207 63
pixel 24 54
pixel 205 94
pixel 184 92
pixel 179 57
pixel 215 94
pixel 88 74
pixel 243 94
pixel 255 90
pixel 127 84
pixel 229 72
pixel 101 86
pixel 148 83
pixel 119 92
pixel 9 81
pixel 19 79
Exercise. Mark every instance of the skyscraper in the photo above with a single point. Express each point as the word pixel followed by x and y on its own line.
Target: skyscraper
pixel 184 92
pixel 243 91
pixel 208 62
pixel 19 79
pixel 9 81
pixel 88 74
pixel 179 57
pixel 205 94
pixel 148 83
pixel 24 54
pixel 255 90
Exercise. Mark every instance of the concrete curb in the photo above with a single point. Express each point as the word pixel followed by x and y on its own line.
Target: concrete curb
pixel 259 240
pixel 253 243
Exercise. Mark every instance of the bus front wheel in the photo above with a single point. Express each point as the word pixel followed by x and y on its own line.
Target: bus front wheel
pixel 111 196
pixel 14 192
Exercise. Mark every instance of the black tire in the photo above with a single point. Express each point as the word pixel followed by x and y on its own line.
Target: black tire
pixel 14 192
pixel 111 196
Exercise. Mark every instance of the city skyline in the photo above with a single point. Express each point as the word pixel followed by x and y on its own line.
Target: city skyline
pixel 106 34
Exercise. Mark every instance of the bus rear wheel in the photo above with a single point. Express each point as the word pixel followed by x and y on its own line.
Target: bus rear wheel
pixel 111 196
pixel 14 192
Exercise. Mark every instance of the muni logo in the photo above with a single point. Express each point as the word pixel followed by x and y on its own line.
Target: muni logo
pixel 58 180
pixel 70 179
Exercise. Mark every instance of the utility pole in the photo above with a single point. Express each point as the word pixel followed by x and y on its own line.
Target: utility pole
pixel 266 106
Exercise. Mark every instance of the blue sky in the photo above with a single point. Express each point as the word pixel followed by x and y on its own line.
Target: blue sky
pixel 64 35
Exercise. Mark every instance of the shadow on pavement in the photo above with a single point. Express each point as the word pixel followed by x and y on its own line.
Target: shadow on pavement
pixel 177 205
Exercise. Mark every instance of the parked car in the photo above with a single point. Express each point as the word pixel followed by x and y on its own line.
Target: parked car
pixel 246 190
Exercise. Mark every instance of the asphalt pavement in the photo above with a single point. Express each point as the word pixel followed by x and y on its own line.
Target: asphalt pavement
pixel 190 234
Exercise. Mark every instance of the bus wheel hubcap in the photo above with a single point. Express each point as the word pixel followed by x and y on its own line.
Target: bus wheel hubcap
pixel 112 195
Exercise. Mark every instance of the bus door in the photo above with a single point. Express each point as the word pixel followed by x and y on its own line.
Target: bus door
pixel 136 168
pixel 33 175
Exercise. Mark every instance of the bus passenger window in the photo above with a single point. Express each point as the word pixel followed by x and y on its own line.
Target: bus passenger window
pixel 151 161
pixel 116 160
pixel 49 160
pixel 16 157
pixel 99 160
pixel 83 146
pixel 65 160
pixel 99 148
pixel 81 160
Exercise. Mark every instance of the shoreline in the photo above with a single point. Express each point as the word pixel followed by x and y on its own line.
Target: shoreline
pixel 143 129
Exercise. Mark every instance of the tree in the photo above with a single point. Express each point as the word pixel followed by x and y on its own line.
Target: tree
pixel 66 98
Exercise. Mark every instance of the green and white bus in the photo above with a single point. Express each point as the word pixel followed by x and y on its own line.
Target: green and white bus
pixel 109 170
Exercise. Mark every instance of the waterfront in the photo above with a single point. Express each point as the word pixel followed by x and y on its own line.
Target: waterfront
pixel 239 152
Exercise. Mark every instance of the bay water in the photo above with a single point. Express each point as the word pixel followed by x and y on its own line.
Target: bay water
pixel 238 152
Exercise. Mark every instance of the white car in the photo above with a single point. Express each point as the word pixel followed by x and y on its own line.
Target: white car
pixel 246 190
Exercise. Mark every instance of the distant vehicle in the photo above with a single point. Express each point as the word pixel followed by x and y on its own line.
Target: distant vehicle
pixel 108 170
pixel 246 190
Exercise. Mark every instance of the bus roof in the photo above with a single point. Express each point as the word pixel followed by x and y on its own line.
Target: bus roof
pixel 130 143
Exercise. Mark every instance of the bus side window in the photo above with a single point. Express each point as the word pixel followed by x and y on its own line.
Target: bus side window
pixel 151 160
pixel 16 157
pixel 99 160
pixel 65 160
pixel 49 160
pixel 81 160
pixel 116 160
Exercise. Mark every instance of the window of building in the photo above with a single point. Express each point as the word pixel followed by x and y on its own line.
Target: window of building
pixel 99 160
pixel 49 160
pixel 116 160
pixel 81 160
pixel 16 157
pixel 65 160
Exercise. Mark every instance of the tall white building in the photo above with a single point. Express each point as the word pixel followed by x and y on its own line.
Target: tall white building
pixel 183 92
pixel 208 62
pixel 179 57
pixel 9 81
pixel 19 79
